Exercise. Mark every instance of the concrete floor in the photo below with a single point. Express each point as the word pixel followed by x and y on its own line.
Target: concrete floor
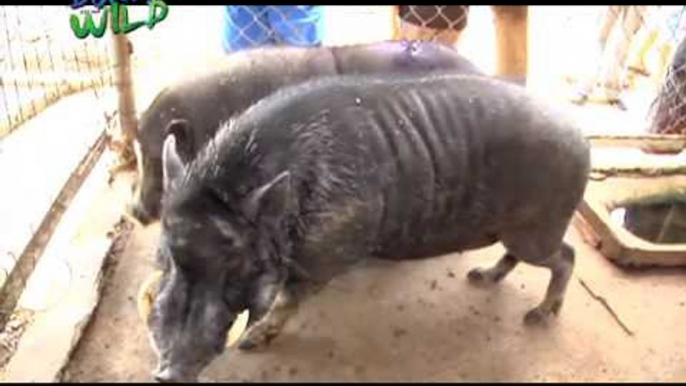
pixel 418 320
pixel 422 321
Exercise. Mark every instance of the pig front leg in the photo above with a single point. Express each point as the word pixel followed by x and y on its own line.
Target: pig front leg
pixel 276 300
pixel 267 326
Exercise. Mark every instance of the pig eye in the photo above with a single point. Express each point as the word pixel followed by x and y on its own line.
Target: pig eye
pixel 232 298
pixel 229 242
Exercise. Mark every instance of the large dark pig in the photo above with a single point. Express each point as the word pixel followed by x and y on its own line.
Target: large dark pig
pixel 320 176
pixel 194 108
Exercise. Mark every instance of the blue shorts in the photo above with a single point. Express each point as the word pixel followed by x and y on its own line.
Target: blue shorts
pixel 247 26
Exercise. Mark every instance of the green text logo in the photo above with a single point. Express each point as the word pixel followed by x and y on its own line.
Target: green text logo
pixel 116 12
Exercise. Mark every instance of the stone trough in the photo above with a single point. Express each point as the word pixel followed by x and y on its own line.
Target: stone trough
pixel 645 178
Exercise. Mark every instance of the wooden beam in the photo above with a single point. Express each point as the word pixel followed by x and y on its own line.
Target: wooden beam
pixel 128 122
pixel 511 31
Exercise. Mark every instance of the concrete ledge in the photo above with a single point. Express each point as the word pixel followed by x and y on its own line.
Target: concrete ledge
pixel 36 163
pixel 630 176
pixel 65 288
pixel 649 143
pixel 632 161
pixel 619 245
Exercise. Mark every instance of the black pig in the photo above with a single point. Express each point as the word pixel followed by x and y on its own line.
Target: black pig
pixel 194 108
pixel 317 177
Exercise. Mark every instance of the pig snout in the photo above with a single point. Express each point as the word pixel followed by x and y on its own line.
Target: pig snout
pixel 146 203
pixel 168 374
pixel 141 213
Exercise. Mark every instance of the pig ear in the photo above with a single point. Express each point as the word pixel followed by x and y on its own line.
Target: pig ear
pixel 271 199
pixel 173 168
pixel 181 130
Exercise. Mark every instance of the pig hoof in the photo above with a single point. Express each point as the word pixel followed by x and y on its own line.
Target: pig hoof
pixel 480 276
pixel 475 276
pixel 252 345
pixel 247 345
pixel 536 317
pixel 256 342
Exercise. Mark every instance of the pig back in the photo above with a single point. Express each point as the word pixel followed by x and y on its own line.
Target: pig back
pixel 420 164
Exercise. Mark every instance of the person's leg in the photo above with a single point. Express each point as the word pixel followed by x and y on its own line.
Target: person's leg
pixel 245 26
pixel 612 15
pixel 609 19
pixel 614 67
pixel 298 25
pixel 646 40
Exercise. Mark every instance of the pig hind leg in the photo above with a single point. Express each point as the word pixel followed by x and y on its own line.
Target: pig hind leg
pixel 495 273
pixel 544 248
pixel 561 265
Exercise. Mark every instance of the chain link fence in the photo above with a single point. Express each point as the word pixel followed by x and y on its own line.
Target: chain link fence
pixel 43 67
pixel 258 25
pixel 39 65
pixel 618 30
pixel 668 111
pixel 439 23
pixel 612 52
pixel 41 62
pixel 631 51
pixel 46 71
pixel 647 43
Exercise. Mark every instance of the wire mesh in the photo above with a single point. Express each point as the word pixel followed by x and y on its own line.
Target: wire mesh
pixel 439 23
pixel 620 29
pixel 634 44
pixel 258 25
pixel 40 63
pixel 668 111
